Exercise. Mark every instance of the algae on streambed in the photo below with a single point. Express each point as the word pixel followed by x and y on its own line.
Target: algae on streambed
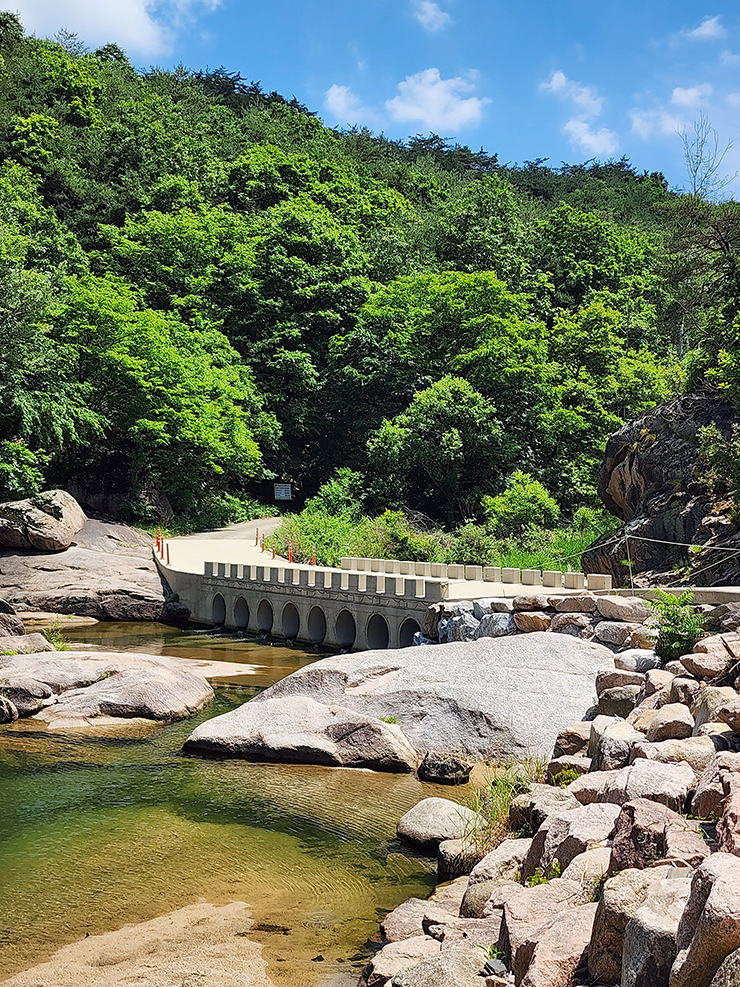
pixel 96 833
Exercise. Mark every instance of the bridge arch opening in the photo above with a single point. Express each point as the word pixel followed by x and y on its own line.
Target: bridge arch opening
pixel 346 630
pixel 264 617
pixel 408 628
pixel 291 622
pixel 241 614
pixel 377 632
pixel 218 611
pixel 316 625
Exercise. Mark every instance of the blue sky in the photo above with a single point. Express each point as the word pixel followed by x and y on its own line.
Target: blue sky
pixel 566 81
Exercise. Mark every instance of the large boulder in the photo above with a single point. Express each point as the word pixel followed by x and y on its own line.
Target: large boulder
pixel 562 837
pixel 668 784
pixel 622 896
pixel 559 948
pixel 709 929
pixel 108 573
pixel 301 730
pixel 632 609
pixel 397 956
pixel 25 644
pixel 10 626
pixel 650 936
pixel 8 710
pixel 697 752
pixel 157 693
pixel 710 792
pixel 728 974
pixel 672 722
pixel 502 863
pixel 709 701
pixel 647 831
pixel 444 769
pixel 433 820
pixel 452 968
pixel 488 699
pixel 47 522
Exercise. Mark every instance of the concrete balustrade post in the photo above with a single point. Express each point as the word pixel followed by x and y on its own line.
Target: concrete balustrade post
pixel 511 575
pixel 531 577
pixel 456 572
pixel 474 572
pixel 574 580
pixel 492 574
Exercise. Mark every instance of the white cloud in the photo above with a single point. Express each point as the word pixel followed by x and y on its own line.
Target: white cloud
pixel 729 58
pixel 600 142
pixel 692 97
pixel 709 30
pixel 646 123
pixel 733 99
pixel 583 97
pixel 144 27
pixel 429 14
pixel 345 106
pixel 437 103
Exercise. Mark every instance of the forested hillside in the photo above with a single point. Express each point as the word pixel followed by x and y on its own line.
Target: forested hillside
pixel 203 286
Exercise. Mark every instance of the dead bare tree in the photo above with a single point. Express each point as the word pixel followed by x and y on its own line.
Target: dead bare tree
pixel 704 155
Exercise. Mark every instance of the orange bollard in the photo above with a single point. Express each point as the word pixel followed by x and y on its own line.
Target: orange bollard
pixel 168 554
pixel 290 552
pixel 263 543
pixel 273 548
pixel 159 538
pixel 257 537
pixel 313 557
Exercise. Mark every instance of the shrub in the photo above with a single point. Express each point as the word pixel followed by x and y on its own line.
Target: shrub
pixel 492 803
pixel 543 876
pixel 524 502
pixel 679 626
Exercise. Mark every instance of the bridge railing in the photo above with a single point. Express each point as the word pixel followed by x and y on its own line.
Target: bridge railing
pixel 418 580
pixel 549 578
pixel 332 580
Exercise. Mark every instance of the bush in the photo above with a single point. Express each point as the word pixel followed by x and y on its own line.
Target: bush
pixel 21 472
pixel 524 502
pixel 492 803
pixel 342 495
pixel 679 626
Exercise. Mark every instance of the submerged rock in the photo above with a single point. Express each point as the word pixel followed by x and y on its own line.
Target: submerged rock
pixel 301 730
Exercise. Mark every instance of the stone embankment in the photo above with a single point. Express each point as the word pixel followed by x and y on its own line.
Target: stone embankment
pixel 623 870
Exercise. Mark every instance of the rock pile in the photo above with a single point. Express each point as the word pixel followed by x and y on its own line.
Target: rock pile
pixel 626 872
pixel 618 622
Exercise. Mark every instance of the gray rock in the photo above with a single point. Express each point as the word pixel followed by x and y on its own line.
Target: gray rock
pixel 461 628
pixel 650 936
pixel 433 820
pixel 531 601
pixel 697 752
pixel 625 608
pixel 710 792
pixel 301 730
pixel 484 607
pixel 489 699
pixel 444 769
pixel 619 701
pixel 452 968
pixel 672 722
pixel 637 660
pixel 683 690
pixel 530 809
pixel 708 703
pixel 562 837
pixel 558 949
pixel 155 694
pixel 10 626
pixel 477 895
pixel 457 857
pixel 26 693
pixel 622 897
pixel 589 866
pixel 397 956
pixel 618 677
pixel 614 745
pixel 709 929
pixel 502 863
pixel 8 712
pixel 573 739
pixel 576 603
pixel 496 625
pixel 108 573
pixel 25 644
pixel 47 522
pixel 560 768
pixel 668 784
pixel 615 632
pixel 728 974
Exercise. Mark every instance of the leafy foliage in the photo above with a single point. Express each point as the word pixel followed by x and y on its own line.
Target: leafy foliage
pixel 679 625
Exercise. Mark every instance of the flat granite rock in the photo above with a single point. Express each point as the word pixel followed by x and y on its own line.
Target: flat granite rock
pixel 108 572
pixel 303 731
pixel 486 699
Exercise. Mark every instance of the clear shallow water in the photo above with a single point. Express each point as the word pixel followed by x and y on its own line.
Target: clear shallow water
pixel 97 832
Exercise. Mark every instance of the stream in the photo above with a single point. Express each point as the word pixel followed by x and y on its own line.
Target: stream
pixel 99 832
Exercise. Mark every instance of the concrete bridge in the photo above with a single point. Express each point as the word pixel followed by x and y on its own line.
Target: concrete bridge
pixel 367 604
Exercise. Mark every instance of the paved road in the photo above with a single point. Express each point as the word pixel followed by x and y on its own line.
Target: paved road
pixel 233 544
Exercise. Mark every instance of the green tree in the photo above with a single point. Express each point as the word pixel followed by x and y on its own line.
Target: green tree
pixel 524 502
